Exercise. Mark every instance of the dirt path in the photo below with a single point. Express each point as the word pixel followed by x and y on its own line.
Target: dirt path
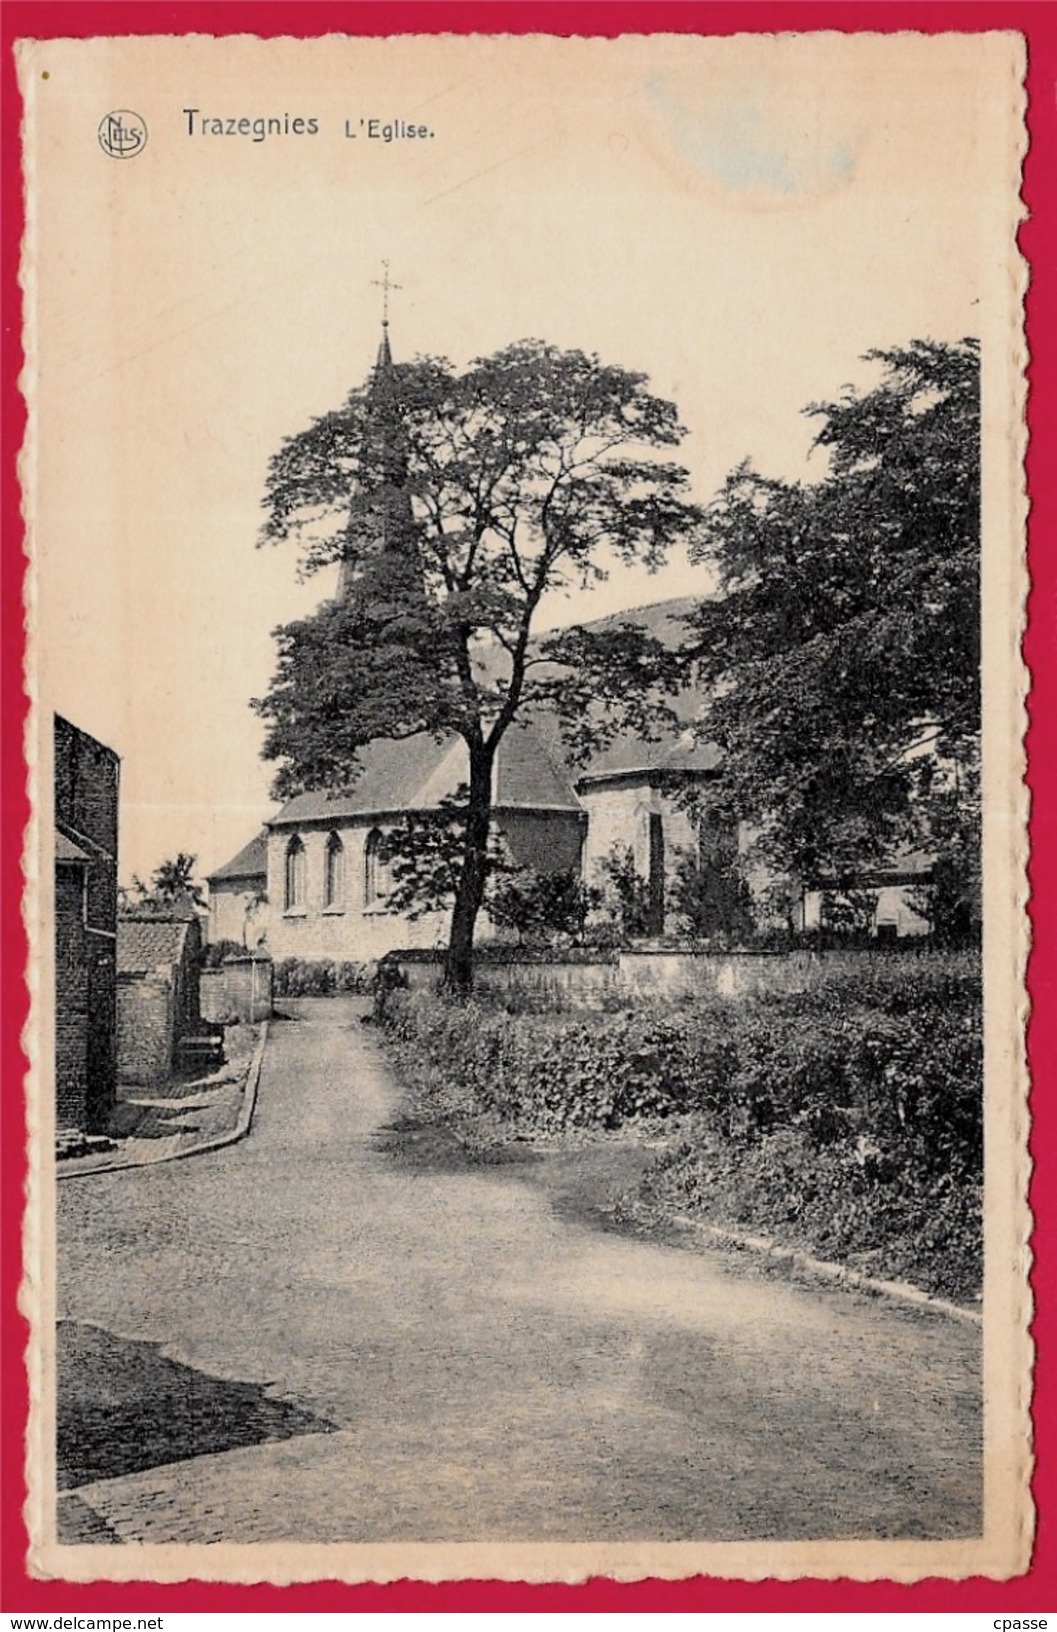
pixel 315 1335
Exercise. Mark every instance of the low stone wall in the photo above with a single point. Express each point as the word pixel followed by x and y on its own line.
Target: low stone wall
pixel 144 1028
pixel 581 984
pixel 212 994
pixel 240 989
pixel 723 974
pixel 641 975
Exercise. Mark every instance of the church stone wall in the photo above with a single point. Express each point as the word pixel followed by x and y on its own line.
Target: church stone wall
pixel 619 818
pixel 350 932
pixel 553 841
pixel 229 905
pixel 679 834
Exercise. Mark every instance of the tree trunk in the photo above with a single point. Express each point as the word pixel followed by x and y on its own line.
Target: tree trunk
pixel 458 971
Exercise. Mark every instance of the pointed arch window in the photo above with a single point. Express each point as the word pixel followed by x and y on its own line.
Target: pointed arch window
pixel 376 880
pixel 294 886
pixel 334 873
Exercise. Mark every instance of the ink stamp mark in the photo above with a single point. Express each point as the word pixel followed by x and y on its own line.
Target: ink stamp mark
pixel 122 134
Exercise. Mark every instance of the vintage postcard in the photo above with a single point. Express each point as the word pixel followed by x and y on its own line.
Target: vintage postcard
pixel 527 873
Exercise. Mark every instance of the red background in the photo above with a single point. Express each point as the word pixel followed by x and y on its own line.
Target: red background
pixel 1037 19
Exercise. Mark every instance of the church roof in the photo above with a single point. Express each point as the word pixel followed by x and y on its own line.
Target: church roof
pixel 251 861
pixel 629 756
pixel 677 750
pixel 420 772
pixel 526 774
pixel 665 620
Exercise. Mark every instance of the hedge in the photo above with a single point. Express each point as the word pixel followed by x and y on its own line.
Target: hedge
pixel 320 977
pixel 848 1117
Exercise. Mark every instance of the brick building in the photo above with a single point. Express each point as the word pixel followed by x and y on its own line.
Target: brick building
pixel 158 960
pixel 87 776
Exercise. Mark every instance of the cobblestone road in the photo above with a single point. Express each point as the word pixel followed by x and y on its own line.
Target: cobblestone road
pixel 363 1350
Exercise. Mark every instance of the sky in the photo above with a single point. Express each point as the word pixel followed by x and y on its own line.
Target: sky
pixel 739 219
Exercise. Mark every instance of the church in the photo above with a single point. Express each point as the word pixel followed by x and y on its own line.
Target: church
pixel 315 882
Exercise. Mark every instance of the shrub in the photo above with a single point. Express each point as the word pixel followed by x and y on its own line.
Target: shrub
pixel 628 893
pixel 556 1071
pixel 319 977
pixel 884 1217
pixel 542 908
pixel 353 977
pixel 707 893
pixel 908 1072
pixel 848 1116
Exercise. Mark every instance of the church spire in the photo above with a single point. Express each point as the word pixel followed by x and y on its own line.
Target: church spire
pixel 385 283
pixel 380 517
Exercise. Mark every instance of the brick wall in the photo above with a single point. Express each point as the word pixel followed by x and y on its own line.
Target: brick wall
pixel 71 999
pixel 249 987
pixel 241 987
pixel 102 1030
pixel 144 1027
pixel 213 994
pixel 186 977
pixel 87 777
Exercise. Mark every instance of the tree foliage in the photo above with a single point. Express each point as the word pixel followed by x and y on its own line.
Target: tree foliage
pixel 424 853
pixel 842 653
pixel 455 502
pixel 947 805
pixel 173 887
pixel 708 895
pixel 626 893
pixel 542 908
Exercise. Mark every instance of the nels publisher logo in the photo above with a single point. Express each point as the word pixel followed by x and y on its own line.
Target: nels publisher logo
pixel 122 134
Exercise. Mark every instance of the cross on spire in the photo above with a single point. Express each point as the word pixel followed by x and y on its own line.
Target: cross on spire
pixel 385 283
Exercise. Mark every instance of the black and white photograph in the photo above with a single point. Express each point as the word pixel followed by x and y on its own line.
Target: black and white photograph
pixel 527 881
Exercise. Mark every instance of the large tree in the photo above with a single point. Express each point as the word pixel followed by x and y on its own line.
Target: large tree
pixel 455 502
pixel 841 653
